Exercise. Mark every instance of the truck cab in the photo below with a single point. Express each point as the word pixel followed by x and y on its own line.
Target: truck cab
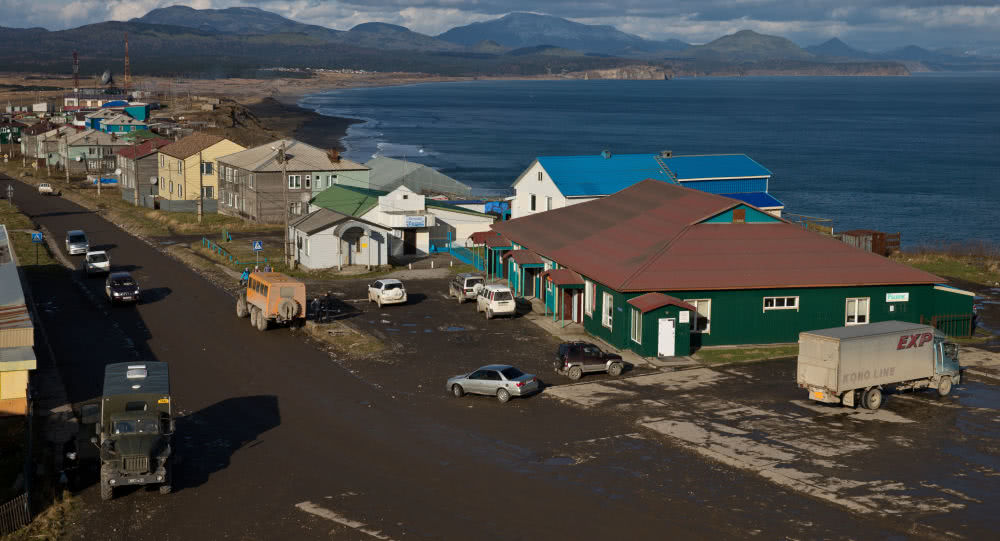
pixel 135 429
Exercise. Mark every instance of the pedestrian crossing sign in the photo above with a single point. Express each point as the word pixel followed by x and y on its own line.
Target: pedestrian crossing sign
pixel 258 245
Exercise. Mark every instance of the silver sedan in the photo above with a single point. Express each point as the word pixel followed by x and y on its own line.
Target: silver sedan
pixel 500 380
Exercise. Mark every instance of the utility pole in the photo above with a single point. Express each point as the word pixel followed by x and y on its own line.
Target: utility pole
pixel 201 186
pixel 135 172
pixel 284 184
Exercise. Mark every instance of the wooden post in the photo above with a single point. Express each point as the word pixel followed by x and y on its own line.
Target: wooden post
pixel 201 188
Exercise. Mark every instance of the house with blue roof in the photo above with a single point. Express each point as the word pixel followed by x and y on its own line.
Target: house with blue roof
pixel 552 182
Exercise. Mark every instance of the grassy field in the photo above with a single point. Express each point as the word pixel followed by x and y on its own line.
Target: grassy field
pixel 973 262
pixel 19 229
pixel 742 354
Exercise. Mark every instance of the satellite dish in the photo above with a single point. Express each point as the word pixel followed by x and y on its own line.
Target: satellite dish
pixel 106 77
pixel 118 171
pixel 79 158
pixel 152 180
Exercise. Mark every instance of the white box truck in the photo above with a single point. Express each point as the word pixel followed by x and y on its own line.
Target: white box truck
pixel 851 365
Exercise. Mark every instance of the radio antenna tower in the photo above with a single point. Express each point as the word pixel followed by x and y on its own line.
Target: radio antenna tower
pixel 76 73
pixel 128 75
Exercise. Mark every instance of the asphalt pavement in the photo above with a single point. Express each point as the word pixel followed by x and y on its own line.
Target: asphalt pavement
pixel 279 439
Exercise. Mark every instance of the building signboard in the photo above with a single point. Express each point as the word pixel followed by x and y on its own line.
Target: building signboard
pixel 416 221
pixel 897 297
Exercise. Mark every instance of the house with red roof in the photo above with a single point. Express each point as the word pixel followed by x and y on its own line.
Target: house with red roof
pixel 139 168
pixel 662 269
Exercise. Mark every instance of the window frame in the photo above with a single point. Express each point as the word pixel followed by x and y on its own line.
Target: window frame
pixel 539 176
pixel 774 303
pixel 298 182
pixel 636 332
pixel 857 301
pixel 589 297
pixel 532 202
pixel 697 303
pixel 607 310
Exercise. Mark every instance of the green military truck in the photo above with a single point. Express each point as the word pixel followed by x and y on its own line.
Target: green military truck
pixel 135 427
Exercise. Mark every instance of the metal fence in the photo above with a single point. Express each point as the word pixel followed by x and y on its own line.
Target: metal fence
pixel 444 245
pixel 15 514
pixel 955 325
pixel 233 259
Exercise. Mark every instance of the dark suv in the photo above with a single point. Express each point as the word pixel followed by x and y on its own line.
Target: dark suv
pixel 466 286
pixel 574 359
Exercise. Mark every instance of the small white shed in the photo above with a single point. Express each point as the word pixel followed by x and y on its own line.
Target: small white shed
pixel 324 239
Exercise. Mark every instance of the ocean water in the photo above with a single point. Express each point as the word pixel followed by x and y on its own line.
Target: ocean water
pixel 919 155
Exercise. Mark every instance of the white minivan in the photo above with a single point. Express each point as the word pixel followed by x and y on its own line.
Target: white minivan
pixel 496 300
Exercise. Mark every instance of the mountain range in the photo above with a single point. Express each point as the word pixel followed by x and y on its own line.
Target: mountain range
pixel 180 40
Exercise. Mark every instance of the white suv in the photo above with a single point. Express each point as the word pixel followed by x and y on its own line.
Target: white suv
pixel 97 261
pixel 496 301
pixel 387 291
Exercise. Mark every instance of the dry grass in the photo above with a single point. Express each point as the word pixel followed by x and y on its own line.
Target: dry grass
pixel 51 524
pixel 977 262
pixel 345 339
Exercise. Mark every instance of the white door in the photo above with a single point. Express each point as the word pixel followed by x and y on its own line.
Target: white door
pixel 666 337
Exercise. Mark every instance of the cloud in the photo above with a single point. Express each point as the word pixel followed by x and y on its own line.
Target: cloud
pixel 864 23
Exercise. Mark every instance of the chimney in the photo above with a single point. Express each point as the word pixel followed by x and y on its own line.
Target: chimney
pixel 666 153
pixel 606 154
pixel 334 155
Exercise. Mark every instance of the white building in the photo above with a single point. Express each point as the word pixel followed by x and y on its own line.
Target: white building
pixel 324 239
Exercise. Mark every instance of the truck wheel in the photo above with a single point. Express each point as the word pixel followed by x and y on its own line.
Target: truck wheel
pixel 457 390
pixel 253 316
pixel 575 373
pixel 944 386
pixel 261 321
pixel 107 491
pixel 503 395
pixel 615 369
pixel 241 306
pixel 872 399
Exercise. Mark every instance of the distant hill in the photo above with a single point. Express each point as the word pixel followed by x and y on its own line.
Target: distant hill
pixel 748 46
pixel 489 46
pixel 835 48
pixel 519 30
pixel 548 50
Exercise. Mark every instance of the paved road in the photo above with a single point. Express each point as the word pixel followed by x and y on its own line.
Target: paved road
pixel 281 441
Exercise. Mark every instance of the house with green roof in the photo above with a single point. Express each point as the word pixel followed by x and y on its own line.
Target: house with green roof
pixel 417 225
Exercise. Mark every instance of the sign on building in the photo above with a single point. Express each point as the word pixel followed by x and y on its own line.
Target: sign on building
pixel 897 297
pixel 416 221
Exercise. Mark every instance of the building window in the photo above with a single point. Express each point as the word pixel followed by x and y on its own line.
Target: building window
pixel 739 216
pixel 857 311
pixel 180 191
pixel 251 180
pixel 781 303
pixel 532 202
pixel 308 181
pixel 330 179
pixel 703 315
pixel 636 326
pixel 294 182
pixel 548 203
pixel 180 166
pixel 206 168
pixel 539 176
pixel 589 297
pixel 357 245
pixel 307 245
pixel 171 186
pixel 206 192
pixel 606 310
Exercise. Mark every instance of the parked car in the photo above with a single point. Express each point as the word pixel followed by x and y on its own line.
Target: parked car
pixel 121 287
pixel 45 189
pixel 466 286
pixel 97 261
pixel 500 380
pixel 496 301
pixel 574 359
pixel 76 242
pixel 387 291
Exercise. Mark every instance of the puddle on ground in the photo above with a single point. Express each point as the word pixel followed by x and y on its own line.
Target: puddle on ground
pixel 392 330
pixel 428 330
pixel 454 328
pixel 409 324
pixel 559 461
pixel 168 242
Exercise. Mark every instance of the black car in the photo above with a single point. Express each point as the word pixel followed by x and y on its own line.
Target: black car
pixel 121 287
pixel 574 359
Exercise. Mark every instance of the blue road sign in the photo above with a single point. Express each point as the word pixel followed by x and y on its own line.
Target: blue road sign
pixel 36 238
pixel 258 245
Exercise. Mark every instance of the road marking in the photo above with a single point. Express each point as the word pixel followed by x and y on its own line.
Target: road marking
pixel 323 512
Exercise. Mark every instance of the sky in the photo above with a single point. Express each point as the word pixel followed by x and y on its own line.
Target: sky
pixel 873 25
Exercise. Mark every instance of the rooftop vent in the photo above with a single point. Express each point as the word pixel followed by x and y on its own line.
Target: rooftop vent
pixel 334 155
pixel 666 153
pixel 606 154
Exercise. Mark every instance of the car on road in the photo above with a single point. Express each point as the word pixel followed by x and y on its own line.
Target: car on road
pixel 97 261
pixel 121 287
pixel 494 300
pixel 76 242
pixel 574 359
pixel 387 291
pixel 466 286
pixel 500 380
pixel 45 189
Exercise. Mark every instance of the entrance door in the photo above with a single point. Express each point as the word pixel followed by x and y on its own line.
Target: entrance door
pixel 567 297
pixel 666 337
pixel 409 241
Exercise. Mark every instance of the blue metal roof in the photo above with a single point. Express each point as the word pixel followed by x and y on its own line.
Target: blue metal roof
pixel 761 200
pixel 596 174
pixel 715 166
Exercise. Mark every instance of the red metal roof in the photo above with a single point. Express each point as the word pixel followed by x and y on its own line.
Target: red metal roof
pixel 648 238
pixel 480 236
pixel 652 301
pixel 497 241
pixel 524 257
pixel 564 277
pixel 146 148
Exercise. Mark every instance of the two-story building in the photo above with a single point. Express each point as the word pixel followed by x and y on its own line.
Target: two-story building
pixel 552 182
pixel 94 120
pixel 139 166
pixel 90 151
pixel 190 163
pixel 660 269
pixel 256 183
pixel 121 124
